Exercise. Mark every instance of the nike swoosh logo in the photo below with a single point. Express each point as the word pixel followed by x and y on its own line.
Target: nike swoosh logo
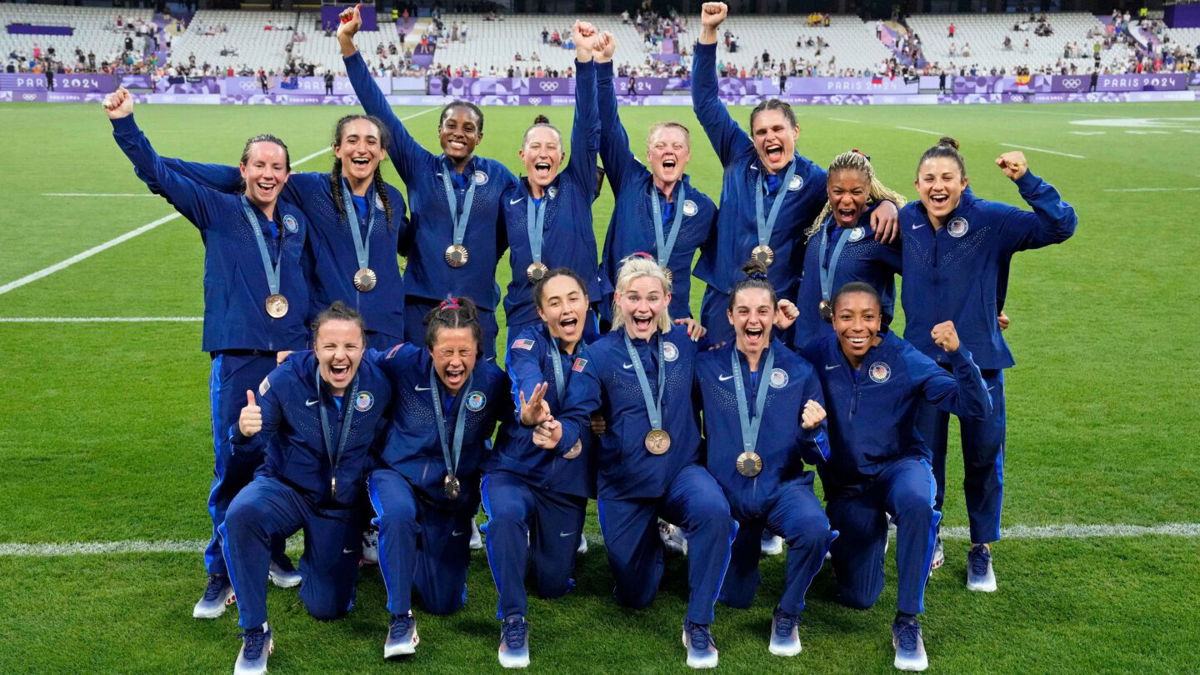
pixel 312 402
pixel 456 533
pixel 626 366
pixel 347 551
pixel 724 378
pixel 515 201
pixel 419 388
pixel 833 366
pixel 917 227
pixel 565 534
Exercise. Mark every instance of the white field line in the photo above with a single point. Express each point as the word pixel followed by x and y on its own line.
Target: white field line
pixel 1049 152
pixel 1017 532
pixel 100 248
pixel 922 131
pixel 842 119
pixel 101 319
pixel 1153 189
pixel 98 194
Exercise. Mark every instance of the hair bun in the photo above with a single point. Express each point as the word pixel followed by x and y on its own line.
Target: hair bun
pixel 754 269
pixel 947 140
pixel 541 119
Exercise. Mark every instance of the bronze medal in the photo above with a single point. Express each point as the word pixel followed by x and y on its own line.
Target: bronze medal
pixel 276 306
pixel 451 487
pixel 826 309
pixel 574 451
pixel 763 254
pixel 658 441
pixel 456 255
pixel 365 279
pixel 749 464
pixel 536 272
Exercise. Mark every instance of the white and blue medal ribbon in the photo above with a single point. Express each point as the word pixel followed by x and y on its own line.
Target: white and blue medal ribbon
pixel 763 253
pixel 276 304
pixel 456 254
pixel 535 222
pixel 334 452
pixel 658 440
pixel 451 450
pixel 829 267
pixel 749 463
pixel 364 278
pixel 667 246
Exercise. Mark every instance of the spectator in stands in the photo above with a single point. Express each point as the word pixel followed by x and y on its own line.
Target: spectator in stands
pixel 950 31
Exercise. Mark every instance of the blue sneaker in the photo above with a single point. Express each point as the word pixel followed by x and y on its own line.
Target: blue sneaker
pixel 785 634
pixel 910 647
pixel 257 645
pixel 980 575
pixel 283 574
pixel 217 595
pixel 701 647
pixel 402 636
pixel 514 642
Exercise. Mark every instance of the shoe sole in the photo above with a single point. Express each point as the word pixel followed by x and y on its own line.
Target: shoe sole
pixel 514 662
pixel 270 651
pixel 911 666
pixel 982 587
pixel 695 663
pixel 284 582
pixel 402 650
pixel 785 651
pixel 214 614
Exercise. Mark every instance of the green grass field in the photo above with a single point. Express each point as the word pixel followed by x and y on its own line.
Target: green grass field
pixel 105 434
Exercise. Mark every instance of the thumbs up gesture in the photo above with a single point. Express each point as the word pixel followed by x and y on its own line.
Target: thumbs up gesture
pixel 250 421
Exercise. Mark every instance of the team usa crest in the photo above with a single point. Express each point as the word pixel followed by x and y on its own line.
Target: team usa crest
pixel 857 233
pixel 796 183
pixel 290 224
pixel 378 202
pixel 779 378
pixel 670 351
pixel 475 401
pixel 364 401
pixel 880 372
pixel 690 208
pixel 957 227
pixel 481 178
pixel 552 192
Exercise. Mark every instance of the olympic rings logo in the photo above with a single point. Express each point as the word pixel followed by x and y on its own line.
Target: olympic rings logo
pixel 1072 83
pixel 548 85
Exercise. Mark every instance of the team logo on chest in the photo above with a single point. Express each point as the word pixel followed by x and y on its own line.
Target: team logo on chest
pixel 364 401
pixel 779 378
pixel 957 227
pixel 880 372
pixel 552 192
pixel 690 208
pixel 857 233
pixel 670 351
pixel 481 178
pixel 475 401
pixel 290 224
pixel 378 202
pixel 796 183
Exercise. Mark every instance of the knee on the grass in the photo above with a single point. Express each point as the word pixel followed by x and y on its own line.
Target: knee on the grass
pixel 327 608
pixel 859 598
pixel 244 515
pixel 808 534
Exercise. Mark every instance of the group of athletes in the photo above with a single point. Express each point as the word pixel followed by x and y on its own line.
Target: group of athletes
pixel 385 403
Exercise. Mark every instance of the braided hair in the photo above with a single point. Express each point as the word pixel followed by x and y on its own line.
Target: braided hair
pixel 756 277
pixel 335 174
pixel 855 160
pixel 450 314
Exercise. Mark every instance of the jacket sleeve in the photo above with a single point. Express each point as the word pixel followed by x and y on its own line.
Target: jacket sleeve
pixel 220 177
pixel 524 372
pixel 614 141
pixel 188 196
pixel 404 150
pixel 1052 220
pixel 582 399
pixel 727 138
pixel 814 443
pixel 962 393
pixel 268 399
pixel 585 130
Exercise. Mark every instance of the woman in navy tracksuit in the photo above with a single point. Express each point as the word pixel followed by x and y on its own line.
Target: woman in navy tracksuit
pixel 426 490
pixel 315 418
pixel 456 238
pixel 874 385
pixel 657 208
pixel 762 471
pixel 548 214
pixel 534 498
pixel 256 302
pixel 957 253
pixel 358 269
pixel 639 377
pixel 770 193
pixel 842 247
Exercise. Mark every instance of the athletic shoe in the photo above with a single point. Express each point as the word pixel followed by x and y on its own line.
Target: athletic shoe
pixel 910 647
pixel 476 538
pixel 370 545
pixel 514 642
pixel 582 545
pixel 980 576
pixel 282 574
pixel 785 634
pixel 217 594
pixel 701 648
pixel 771 544
pixel 939 555
pixel 402 636
pixel 672 538
pixel 257 645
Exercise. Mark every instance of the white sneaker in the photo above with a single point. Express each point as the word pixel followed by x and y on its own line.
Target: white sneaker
pixel 771 544
pixel 583 546
pixel 218 594
pixel 257 645
pixel 672 538
pixel 476 538
pixel 370 545
pixel 980 574
pixel 282 577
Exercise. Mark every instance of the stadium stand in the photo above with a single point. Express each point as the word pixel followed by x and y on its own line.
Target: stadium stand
pixel 94 30
pixel 236 39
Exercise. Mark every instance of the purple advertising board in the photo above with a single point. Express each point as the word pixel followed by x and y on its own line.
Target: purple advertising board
pixel 31 29
pixel 1144 82
pixel 736 86
pixel 64 83
pixel 505 86
pixel 850 85
pixel 187 85
pixel 243 86
pixel 983 84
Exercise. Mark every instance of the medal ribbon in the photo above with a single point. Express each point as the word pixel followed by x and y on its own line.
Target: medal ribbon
pixel 335 452
pixel 556 361
pixel 271 269
pixel 535 225
pixel 459 220
pixel 828 267
pixel 362 249
pixel 750 426
pixel 665 249
pixel 766 226
pixel 459 424
pixel 653 408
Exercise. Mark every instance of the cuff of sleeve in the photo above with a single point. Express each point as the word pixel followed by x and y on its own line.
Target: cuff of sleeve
pixel 584 65
pixel 705 48
pixel 604 69
pixel 1028 183
pixel 354 59
pixel 961 356
pixel 124 124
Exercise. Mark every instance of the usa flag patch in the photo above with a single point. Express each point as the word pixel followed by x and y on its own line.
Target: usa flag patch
pixel 579 364
pixel 523 343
